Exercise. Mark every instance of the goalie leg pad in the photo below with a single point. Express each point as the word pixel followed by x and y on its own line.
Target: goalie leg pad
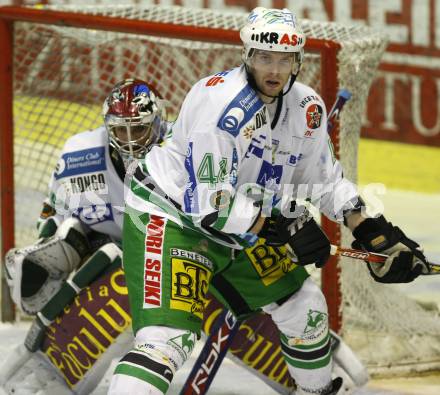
pixel 93 267
pixel 35 376
pixel 347 365
pixel 150 366
pixel 35 273
pixel 305 340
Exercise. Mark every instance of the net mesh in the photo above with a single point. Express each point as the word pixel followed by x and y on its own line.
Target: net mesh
pixel 62 75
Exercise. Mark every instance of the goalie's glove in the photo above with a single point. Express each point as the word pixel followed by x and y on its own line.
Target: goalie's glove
pixel 36 272
pixel 301 233
pixel 406 260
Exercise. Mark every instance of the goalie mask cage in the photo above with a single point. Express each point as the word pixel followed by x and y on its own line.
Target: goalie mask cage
pixel 58 65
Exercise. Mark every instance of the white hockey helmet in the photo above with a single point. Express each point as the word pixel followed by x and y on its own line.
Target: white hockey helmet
pixel 270 29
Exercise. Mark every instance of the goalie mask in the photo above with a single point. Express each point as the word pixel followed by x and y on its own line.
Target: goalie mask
pixel 272 30
pixel 133 118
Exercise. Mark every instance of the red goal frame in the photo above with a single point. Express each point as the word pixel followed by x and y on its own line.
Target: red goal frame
pixel 328 50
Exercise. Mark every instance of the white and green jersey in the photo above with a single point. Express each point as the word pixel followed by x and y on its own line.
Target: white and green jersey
pixel 86 185
pixel 228 157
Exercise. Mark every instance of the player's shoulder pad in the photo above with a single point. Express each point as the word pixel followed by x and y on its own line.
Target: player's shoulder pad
pixel 310 105
pixel 83 153
pixel 86 139
pixel 240 104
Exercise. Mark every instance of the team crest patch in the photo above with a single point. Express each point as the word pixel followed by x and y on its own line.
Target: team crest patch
pixel 314 320
pixel 183 344
pixel 314 116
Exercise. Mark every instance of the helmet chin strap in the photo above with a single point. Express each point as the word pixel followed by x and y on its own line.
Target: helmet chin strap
pixel 253 83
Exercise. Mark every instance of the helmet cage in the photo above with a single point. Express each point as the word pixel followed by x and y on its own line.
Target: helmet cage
pixel 131 136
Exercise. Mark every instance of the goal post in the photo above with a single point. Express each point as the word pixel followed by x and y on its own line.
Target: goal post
pixel 6 162
pixel 60 62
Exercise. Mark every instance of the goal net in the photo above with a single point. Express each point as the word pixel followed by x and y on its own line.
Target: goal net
pixel 62 74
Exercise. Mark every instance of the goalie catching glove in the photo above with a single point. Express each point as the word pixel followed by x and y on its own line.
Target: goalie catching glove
pixel 406 260
pixel 301 233
pixel 36 272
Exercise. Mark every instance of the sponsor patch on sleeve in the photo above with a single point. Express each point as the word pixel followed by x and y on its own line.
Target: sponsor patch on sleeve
pixel 240 111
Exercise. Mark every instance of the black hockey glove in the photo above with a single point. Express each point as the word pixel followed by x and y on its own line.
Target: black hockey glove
pixel 406 260
pixel 304 236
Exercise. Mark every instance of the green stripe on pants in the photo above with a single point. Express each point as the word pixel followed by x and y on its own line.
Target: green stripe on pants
pixel 143 375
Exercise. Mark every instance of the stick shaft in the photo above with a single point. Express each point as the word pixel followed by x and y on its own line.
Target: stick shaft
pixel 212 355
pixel 373 257
pixel 333 115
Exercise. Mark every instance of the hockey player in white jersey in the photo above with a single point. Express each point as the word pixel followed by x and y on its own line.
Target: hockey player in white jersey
pixel 248 142
pixel 82 216
pixel 81 221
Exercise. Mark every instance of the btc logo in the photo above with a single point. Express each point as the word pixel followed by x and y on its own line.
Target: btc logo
pixel 271 263
pixel 190 282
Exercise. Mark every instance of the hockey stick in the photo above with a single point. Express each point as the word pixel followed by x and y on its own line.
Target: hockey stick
pixel 374 257
pixel 226 326
pixel 217 344
pixel 203 372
